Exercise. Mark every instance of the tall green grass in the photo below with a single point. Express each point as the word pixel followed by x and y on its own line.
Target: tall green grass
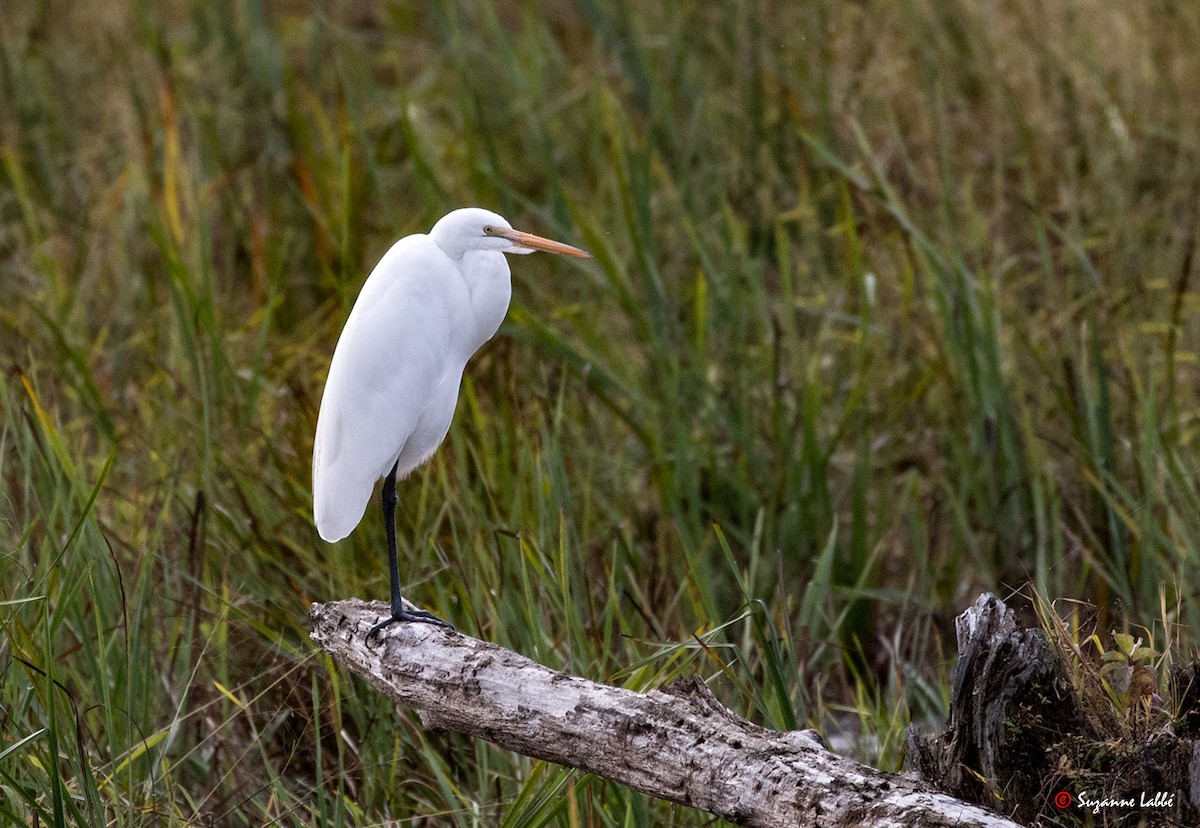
pixel 891 303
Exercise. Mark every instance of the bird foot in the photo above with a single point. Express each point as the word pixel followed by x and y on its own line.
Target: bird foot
pixel 421 616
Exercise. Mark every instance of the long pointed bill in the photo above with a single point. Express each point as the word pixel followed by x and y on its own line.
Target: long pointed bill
pixel 532 242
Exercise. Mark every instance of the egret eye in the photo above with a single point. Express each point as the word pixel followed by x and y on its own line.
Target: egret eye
pixel 488 230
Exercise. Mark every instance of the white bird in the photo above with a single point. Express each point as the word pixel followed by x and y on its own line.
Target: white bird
pixel 428 305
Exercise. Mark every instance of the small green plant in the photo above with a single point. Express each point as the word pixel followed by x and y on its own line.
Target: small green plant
pixel 1128 673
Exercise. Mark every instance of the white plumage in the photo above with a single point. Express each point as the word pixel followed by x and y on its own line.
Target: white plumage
pixel 428 305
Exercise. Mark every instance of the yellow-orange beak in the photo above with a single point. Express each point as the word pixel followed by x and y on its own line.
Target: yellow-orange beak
pixel 532 242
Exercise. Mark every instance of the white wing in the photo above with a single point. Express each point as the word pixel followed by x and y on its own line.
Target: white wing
pixel 392 355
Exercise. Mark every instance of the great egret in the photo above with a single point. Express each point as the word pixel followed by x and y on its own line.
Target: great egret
pixel 428 305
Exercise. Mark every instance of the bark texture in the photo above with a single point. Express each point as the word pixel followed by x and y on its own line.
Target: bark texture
pixel 678 743
pixel 1010 703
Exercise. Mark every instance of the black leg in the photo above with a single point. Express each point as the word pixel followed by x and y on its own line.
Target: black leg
pixel 387 499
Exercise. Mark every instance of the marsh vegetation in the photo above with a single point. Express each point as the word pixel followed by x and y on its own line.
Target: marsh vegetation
pixel 891 303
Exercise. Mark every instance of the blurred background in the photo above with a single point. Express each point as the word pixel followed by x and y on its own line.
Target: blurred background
pixel 892 303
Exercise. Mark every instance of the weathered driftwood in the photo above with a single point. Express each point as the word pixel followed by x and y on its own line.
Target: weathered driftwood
pixel 677 743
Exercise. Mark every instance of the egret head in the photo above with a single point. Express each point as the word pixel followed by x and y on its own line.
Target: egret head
pixel 473 228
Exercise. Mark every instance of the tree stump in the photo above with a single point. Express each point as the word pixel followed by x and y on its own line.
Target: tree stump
pixel 1022 740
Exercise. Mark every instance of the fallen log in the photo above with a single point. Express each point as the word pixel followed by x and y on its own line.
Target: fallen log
pixel 677 743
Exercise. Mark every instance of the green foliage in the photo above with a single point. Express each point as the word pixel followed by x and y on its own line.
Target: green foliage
pixel 1127 672
pixel 891 302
